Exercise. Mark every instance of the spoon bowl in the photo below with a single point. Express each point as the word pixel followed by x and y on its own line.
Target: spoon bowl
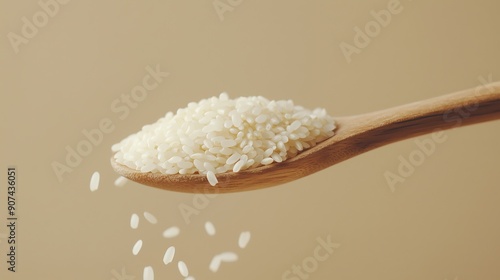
pixel 354 135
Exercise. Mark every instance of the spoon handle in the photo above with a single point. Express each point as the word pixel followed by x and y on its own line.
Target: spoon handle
pixel 453 110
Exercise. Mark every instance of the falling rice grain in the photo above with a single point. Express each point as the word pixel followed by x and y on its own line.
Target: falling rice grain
pixel 183 270
pixel 94 181
pixel 210 228
pixel 134 221
pixel 169 255
pixel 214 264
pixel 120 181
pixel 244 239
pixel 223 257
pixel 137 247
pixel 150 217
pixel 171 232
pixel 228 257
pixel 148 273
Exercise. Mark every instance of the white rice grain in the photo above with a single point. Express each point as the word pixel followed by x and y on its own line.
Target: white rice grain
pixel 115 147
pixel 183 270
pixel 150 218
pixel 266 161
pixel 185 164
pixel 137 247
pixel 211 178
pixel 148 167
pixel 261 119
pixel 276 157
pixel 94 181
pixel 228 143
pixel 294 126
pixel 222 257
pixel 210 228
pixel 175 159
pixel 244 239
pixel 134 221
pixel 228 257
pixel 237 167
pixel 208 166
pixel 233 158
pixel 120 181
pixel 214 264
pixel 169 255
pixel 148 273
pixel 171 232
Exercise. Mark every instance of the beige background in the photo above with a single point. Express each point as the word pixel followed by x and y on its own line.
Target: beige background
pixel 440 223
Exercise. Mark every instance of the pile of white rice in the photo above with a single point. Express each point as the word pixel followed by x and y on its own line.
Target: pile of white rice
pixel 220 134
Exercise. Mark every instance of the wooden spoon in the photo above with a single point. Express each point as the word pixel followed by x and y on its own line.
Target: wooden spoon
pixel 354 135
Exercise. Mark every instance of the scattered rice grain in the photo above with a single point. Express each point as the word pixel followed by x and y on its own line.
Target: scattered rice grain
pixel 210 228
pixel 150 217
pixel 120 181
pixel 183 270
pixel 214 264
pixel 244 239
pixel 222 257
pixel 137 247
pixel 169 255
pixel 94 181
pixel 134 221
pixel 171 232
pixel 228 257
pixel 148 273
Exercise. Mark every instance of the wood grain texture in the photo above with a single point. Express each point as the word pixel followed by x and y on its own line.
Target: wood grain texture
pixel 354 135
